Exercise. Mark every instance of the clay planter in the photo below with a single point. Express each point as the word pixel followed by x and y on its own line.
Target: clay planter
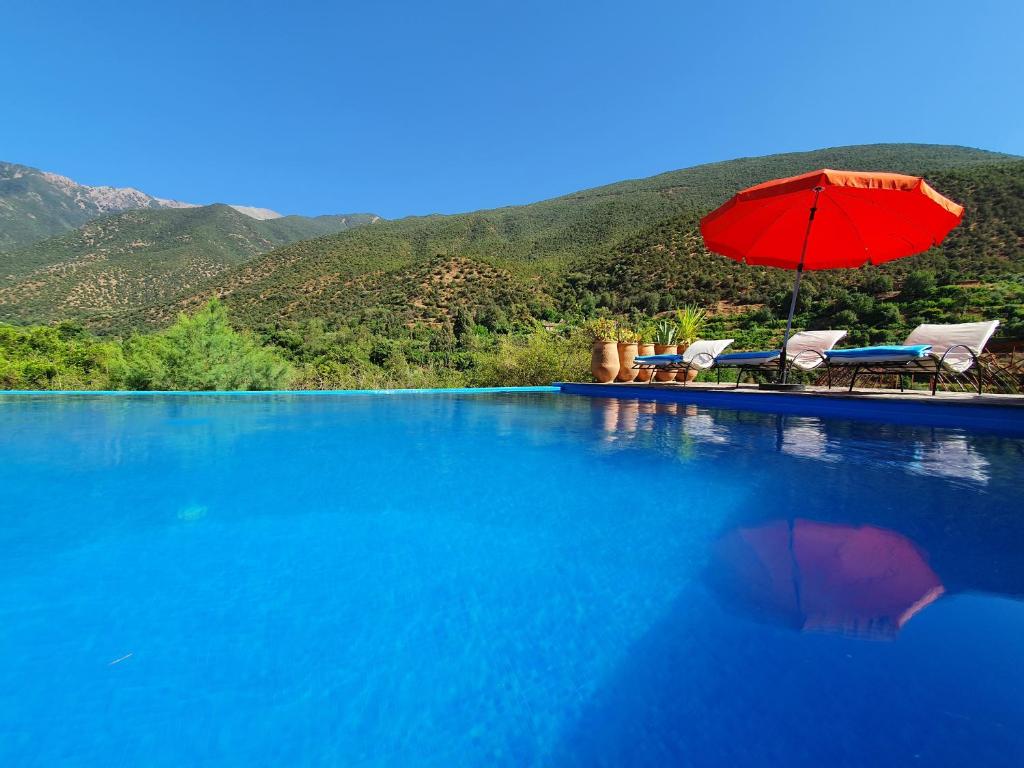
pixel 604 361
pixel 665 349
pixel 627 354
pixel 644 374
pixel 688 375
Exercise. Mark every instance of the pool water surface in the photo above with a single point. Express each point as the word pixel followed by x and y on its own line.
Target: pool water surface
pixel 502 579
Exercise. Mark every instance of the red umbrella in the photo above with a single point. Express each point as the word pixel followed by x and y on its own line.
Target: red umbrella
pixel 827 220
pixel 856 580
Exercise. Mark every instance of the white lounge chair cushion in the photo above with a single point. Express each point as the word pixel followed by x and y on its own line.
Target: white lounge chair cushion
pixel 942 337
pixel 701 354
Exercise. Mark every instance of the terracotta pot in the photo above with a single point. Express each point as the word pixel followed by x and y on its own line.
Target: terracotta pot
pixel 644 374
pixel 604 361
pixel 627 354
pixel 665 349
pixel 688 376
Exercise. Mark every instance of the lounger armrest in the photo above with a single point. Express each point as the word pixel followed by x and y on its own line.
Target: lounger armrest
pixel 705 359
pixel 971 352
pixel 814 354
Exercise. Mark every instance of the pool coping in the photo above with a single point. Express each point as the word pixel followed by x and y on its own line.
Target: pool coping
pixel 1000 413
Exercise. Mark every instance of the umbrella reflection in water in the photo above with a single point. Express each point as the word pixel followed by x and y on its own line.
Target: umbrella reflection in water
pixel 859 581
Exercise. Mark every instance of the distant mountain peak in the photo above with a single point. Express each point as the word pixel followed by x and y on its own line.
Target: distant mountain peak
pixel 260 214
pixel 109 199
pixel 35 204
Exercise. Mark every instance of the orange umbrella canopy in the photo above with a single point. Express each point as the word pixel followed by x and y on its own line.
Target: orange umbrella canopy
pixel 859 218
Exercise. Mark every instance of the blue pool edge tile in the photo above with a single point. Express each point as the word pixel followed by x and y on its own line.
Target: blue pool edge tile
pixel 1003 418
pixel 266 392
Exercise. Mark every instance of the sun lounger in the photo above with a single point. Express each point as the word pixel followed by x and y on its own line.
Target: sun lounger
pixel 699 356
pixel 805 350
pixel 929 350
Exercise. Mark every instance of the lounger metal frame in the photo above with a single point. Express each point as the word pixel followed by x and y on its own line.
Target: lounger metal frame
pixel 680 366
pixel 922 366
pixel 773 365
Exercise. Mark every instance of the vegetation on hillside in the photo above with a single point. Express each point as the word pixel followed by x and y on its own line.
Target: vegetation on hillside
pixel 133 259
pixel 460 300
pixel 628 251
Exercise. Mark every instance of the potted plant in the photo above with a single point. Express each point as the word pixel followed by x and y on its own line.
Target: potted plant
pixel 645 347
pixel 665 344
pixel 690 323
pixel 604 353
pixel 627 348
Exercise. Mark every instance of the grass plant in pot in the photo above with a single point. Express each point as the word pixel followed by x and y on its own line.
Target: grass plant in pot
pixel 627 348
pixel 665 344
pixel 690 322
pixel 604 352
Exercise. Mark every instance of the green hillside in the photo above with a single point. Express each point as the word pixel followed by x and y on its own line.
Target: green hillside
pixel 132 259
pixel 625 248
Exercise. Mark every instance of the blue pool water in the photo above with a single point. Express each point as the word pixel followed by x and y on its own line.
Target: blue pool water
pixel 502 579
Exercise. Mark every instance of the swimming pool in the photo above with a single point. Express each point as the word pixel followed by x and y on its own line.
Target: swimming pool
pixel 502 579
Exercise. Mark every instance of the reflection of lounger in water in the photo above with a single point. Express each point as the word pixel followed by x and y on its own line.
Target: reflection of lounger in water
pixel 804 436
pixel 952 458
pixel 702 426
pixel 860 581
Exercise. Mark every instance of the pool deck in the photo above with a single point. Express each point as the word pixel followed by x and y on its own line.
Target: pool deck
pixel 1003 413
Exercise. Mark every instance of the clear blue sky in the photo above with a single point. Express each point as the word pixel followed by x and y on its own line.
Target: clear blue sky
pixel 416 107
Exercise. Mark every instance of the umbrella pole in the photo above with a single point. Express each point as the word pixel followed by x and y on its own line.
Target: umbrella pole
pixel 783 369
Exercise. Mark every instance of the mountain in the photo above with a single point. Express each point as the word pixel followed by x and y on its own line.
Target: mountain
pixel 135 258
pixel 630 246
pixel 35 204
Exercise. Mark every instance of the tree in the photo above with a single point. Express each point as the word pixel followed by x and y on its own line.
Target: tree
pixel 876 282
pixel 201 352
pixel 493 317
pixel 462 323
pixel 917 285
pixel 442 344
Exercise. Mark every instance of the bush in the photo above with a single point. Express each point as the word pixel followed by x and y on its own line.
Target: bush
pixel 61 357
pixel 540 358
pixel 200 352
